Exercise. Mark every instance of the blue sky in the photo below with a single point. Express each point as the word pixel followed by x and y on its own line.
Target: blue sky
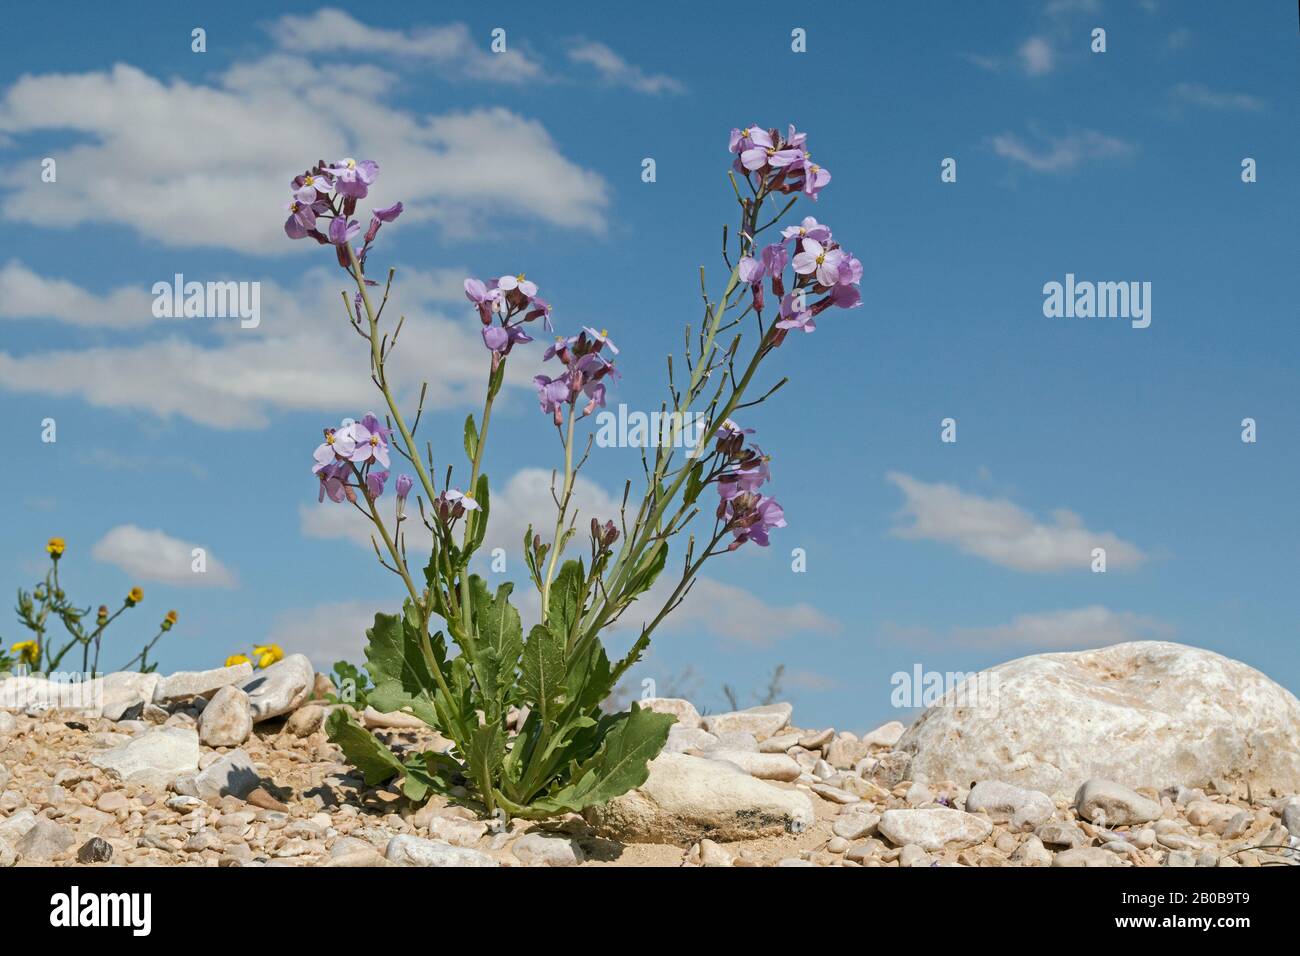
pixel 1115 166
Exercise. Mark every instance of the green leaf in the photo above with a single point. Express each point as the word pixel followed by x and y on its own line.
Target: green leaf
pixel 499 642
pixel 471 438
pixel 648 571
pixel 621 763
pixel 542 673
pixel 694 484
pixel 568 594
pixel 375 761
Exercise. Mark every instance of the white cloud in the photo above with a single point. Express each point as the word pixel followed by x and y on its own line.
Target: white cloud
pixel 1036 56
pixel 208 165
pixel 153 555
pixel 1003 533
pixel 450 48
pixel 713 607
pixel 615 70
pixel 1197 94
pixel 1061 154
pixel 303 355
pixel 26 295
pixel 1074 629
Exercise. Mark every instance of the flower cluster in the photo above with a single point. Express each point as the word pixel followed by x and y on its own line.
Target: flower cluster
pixel 330 192
pixel 353 450
pixel 584 371
pixel 778 164
pixel 743 511
pixel 505 305
pixel 821 268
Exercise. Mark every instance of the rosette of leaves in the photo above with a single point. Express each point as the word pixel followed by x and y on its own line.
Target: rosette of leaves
pixel 567 755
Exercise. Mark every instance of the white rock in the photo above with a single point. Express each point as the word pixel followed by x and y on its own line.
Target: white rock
pixel 935 828
pixel 154 759
pixel 455 831
pixel 855 822
pixel 1032 853
pixel 681 739
pixel 1291 816
pixel 1086 856
pixel 8 724
pixel 109 696
pixel 779 744
pixel 736 740
pixel 45 841
pixel 280 688
pixel 416 851
pixel 184 684
pixel 226 721
pixel 231 775
pixel 1111 804
pixel 761 721
pixel 539 849
pixel 1004 803
pixel 687 716
pixel 886 735
pixel 687 798
pixel 913 855
pixel 762 766
pixel 1147 713
pixel 394 720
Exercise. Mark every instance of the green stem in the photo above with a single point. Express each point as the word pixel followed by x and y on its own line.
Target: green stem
pixel 559 520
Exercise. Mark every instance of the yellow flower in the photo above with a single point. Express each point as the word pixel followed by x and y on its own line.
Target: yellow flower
pixel 169 620
pixel 134 596
pixel 236 659
pixel 55 547
pixel 29 652
pixel 267 654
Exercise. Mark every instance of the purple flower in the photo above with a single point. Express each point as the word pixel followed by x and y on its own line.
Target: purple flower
pixel 302 217
pixel 729 431
pixel 354 178
pixel 552 394
pixel 484 297
pixel 388 213
pixel 370 445
pixel 343 230
pixel 338 445
pixel 747 475
pixel 403 486
pixel 794 315
pixel 502 338
pixel 750 270
pixel 749 517
pixel 810 228
pixel 775 258
pixel 333 482
pixel 452 504
pixel 814 178
pixel 375 483
pixel 825 263
pixel 510 283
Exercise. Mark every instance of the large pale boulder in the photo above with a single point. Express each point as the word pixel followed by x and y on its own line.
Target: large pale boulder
pixel 1144 714
pixel 686 799
pixel 184 684
pixel 154 759
pixel 281 688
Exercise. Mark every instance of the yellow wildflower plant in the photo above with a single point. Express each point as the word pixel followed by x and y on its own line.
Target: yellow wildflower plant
pixel 55 547
pixel 234 660
pixel 29 652
pixel 267 654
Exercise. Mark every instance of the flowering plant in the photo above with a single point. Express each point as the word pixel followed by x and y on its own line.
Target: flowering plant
pixel 48 598
pixel 524 714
